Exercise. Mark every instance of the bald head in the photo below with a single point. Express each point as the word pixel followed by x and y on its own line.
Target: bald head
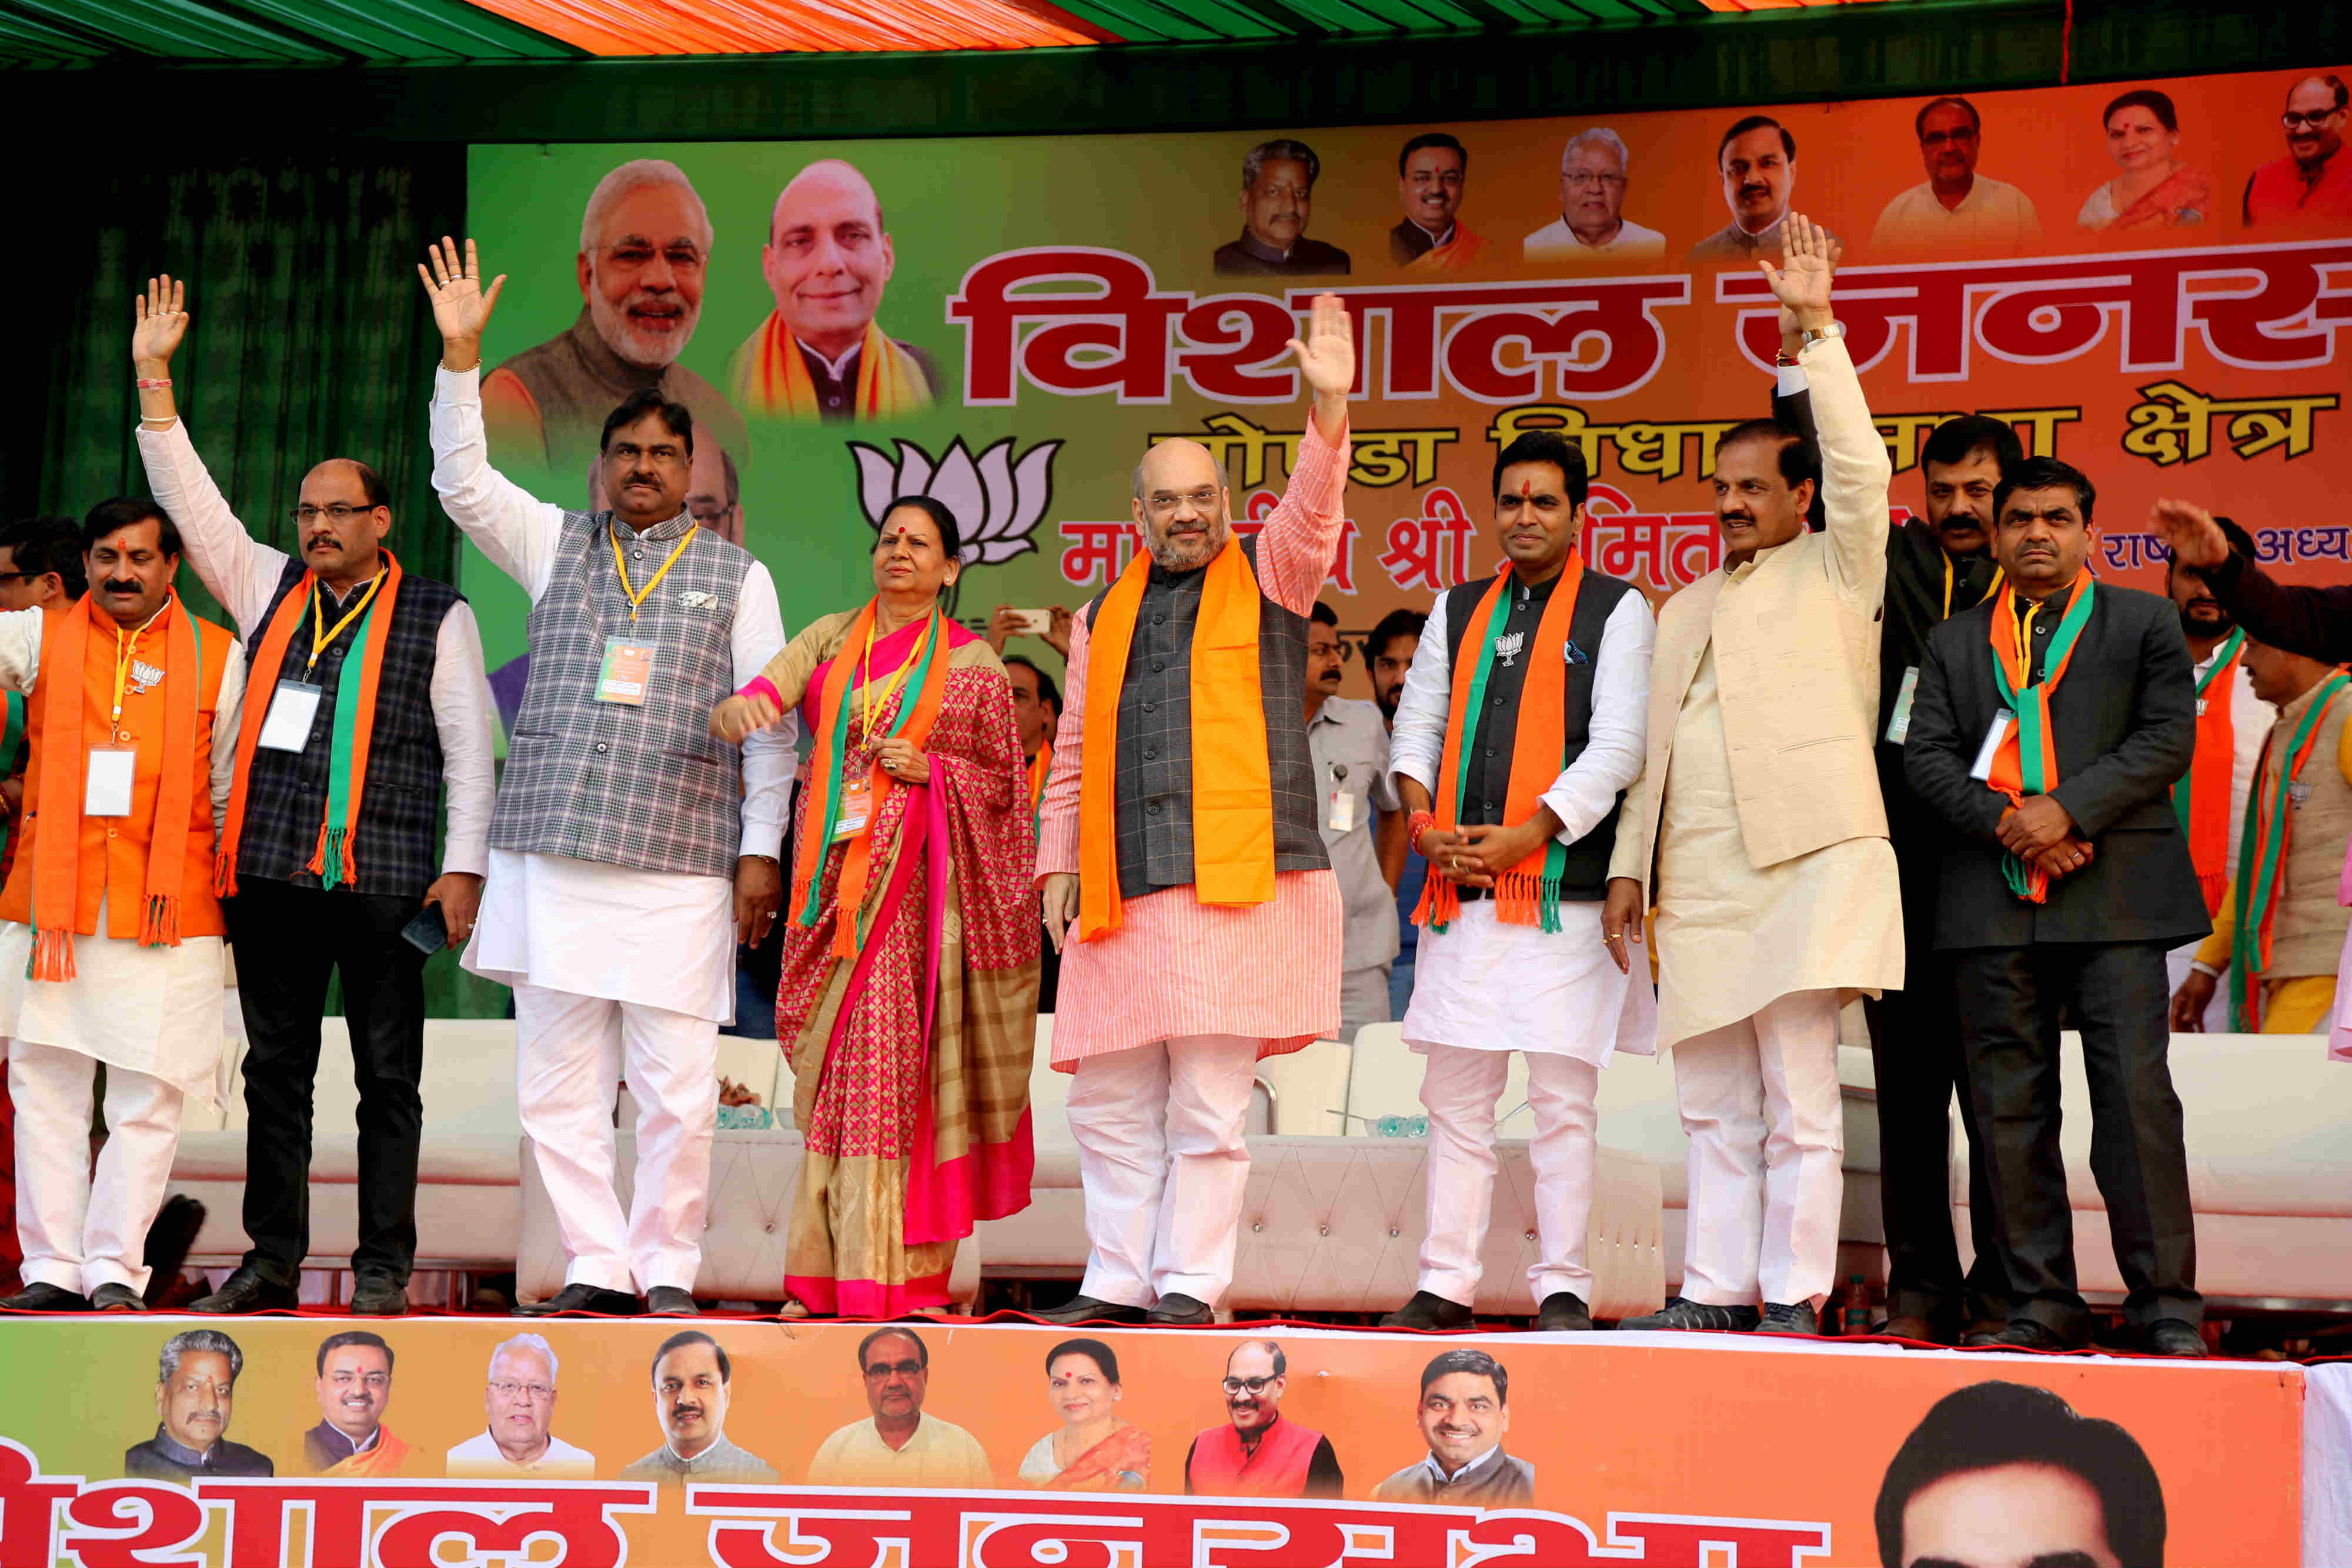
pixel 827 258
pixel 341 519
pixel 1180 503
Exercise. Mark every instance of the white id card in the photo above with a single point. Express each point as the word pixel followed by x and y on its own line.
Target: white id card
pixel 1995 733
pixel 291 709
pixel 1342 817
pixel 107 792
pixel 1898 723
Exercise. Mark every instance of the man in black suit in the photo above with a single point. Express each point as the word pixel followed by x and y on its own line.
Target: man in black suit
pixel 1936 566
pixel 2065 884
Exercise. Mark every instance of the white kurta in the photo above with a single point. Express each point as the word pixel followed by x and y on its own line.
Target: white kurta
pixel 1732 938
pixel 155 1010
pixel 661 939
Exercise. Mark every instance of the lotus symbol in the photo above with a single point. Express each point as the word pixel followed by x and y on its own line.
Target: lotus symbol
pixel 997 502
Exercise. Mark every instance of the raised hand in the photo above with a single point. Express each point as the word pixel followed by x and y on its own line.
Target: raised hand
pixel 159 324
pixel 1327 358
pixel 2188 530
pixel 461 306
pixel 1801 282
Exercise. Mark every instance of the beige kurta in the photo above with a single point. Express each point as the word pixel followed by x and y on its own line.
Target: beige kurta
pixel 1732 938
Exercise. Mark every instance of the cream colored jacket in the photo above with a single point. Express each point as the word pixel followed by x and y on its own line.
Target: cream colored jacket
pixel 1796 658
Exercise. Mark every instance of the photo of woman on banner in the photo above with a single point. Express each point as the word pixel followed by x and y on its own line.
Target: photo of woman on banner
pixel 2155 189
pixel 907 1006
pixel 1094 1450
pixel 821 354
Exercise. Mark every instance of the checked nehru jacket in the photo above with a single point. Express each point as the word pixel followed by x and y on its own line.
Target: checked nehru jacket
pixel 1154 787
pixel 642 787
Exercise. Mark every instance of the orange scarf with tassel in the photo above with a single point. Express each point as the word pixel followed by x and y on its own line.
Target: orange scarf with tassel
pixel 1233 782
pixel 2202 795
pixel 56 848
pixel 349 757
pixel 1527 893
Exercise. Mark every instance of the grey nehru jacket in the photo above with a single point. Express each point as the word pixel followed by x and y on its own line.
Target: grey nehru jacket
pixel 1154 784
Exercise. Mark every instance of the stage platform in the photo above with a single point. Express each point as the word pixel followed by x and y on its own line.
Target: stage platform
pixel 1705 1452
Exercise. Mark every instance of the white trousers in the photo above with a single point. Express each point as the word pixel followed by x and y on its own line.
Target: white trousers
pixel 1759 1102
pixel 79 1231
pixel 1160 1156
pixel 1458 1089
pixel 571 1052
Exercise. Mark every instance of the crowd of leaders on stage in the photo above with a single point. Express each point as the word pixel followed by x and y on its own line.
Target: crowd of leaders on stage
pixel 1940 768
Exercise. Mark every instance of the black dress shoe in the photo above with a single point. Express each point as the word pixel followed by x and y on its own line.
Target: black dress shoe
pixel 1687 1315
pixel 45 1299
pixel 1787 1317
pixel 669 1302
pixel 2024 1333
pixel 246 1290
pixel 1563 1311
pixel 1427 1311
pixel 1087 1310
pixel 379 1296
pixel 2172 1336
pixel 1177 1310
pixel 117 1297
pixel 578 1298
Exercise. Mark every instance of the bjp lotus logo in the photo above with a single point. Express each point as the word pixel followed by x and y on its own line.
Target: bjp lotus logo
pixel 997 502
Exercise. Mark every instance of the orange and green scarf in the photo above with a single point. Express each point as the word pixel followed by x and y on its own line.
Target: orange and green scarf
pixel 349 740
pixel 2262 862
pixel 2201 796
pixel 2027 760
pixel 1527 893
pixel 772 378
pixel 1232 782
pixel 828 771
pixel 57 850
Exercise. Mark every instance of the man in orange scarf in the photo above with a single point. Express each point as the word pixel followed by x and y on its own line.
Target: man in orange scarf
pixel 2210 798
pixel 1521 725
pixel 821 354
pixel 1431 172
pixel 2050 724
pixel 354 1385
pixel 1178 850
pixel 111 949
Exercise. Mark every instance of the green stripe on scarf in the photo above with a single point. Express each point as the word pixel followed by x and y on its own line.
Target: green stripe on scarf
pixel 338 753
pixel 2033 748
pixel 2182 796
pixel 932 638
pixel 2262 855
pixel 11 738
pixel 1474 708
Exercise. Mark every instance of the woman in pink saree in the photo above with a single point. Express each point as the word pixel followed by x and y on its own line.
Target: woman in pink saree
pixel 908 1003
pixel 2152 188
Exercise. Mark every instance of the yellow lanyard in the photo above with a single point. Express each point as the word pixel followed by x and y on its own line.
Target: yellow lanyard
pixel 866 682
pixel 2000 575
pixel 126 652
pixel 2025 642
pixel 321 638
pixel 638 596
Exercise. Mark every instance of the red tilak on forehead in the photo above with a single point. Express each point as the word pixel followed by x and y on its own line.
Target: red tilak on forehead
pixel 1526 489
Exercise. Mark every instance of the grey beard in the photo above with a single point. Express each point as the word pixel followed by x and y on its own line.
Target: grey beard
pixel 611 324
pixel 1169 557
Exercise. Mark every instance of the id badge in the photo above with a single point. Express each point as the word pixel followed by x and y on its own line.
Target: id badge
pixel 1995 733
pixel 291 709
pixel 1342 816
pixel 856 804
pixel 627 667
pixel 1898 723
pixel 106 791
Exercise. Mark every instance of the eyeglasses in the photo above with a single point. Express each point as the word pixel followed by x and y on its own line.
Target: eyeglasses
pixel 909 1368
pixel 682 258
pixel 334 511
pixel 1202 499
pixel 2294 121
pixel 1584 177
pixel 1250 1384
pixel 518 1390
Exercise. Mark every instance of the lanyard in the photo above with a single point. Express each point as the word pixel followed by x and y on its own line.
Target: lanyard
pixel 1998 576
pixel 638 596
pixel 2025 642
pixel 874 704
pixel 321 638
pixel 125 653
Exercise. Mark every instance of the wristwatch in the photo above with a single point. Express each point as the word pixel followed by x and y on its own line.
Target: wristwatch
pixel 1812 335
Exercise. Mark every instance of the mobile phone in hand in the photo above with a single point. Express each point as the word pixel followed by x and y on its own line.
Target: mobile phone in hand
pixel 429 932
pixel 1035 622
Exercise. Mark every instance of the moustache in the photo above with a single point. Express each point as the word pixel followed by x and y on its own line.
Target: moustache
pixel 1755 190
pixel 321 541
pixel 1739 518
pixel 685 1412
pixel 121 585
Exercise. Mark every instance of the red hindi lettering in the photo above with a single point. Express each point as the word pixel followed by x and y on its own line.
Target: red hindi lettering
pixel 133 1524
pixel 503 1524
pixel 1430 551
pixel 855 1530
pixel 259 1510
pixel 1462 329
pixel 1677 1541
pixel 1099 552
pixel 1112 338
pixel 1532 1539
pixel 1228 338
pixel 1695 547
pixel 28 1508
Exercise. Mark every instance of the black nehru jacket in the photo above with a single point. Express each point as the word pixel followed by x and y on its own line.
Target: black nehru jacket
pixel 2124 723
pixel 1486 759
